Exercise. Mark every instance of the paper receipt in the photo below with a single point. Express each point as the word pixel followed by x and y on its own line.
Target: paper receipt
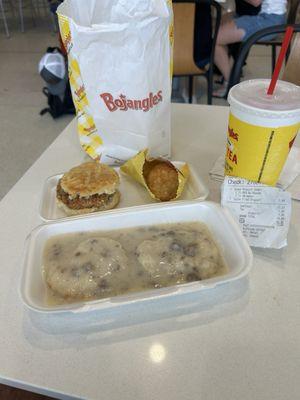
pixel 263 212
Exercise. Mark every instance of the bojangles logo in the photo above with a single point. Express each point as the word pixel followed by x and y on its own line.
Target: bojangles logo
pixel 90 129
pixel 80 92
pixel 122 103
pixel 233 134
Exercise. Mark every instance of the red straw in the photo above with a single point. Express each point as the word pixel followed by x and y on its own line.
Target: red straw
pixel 285 44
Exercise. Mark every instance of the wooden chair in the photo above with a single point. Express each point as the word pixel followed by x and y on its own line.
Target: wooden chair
pixel 292 67
pixel 187 42
pixel 293 6
pixel 291 72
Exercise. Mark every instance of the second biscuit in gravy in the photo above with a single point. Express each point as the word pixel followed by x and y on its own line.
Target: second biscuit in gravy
pixel 187 254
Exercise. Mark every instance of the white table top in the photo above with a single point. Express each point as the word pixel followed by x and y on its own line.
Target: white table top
pixel 239 341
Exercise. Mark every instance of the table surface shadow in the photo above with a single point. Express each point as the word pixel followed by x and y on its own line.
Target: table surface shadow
pixel 9 393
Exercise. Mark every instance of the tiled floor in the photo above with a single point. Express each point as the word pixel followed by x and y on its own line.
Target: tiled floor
pixel 24 134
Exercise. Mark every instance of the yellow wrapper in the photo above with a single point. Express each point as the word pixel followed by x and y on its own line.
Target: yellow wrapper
pixel 134 168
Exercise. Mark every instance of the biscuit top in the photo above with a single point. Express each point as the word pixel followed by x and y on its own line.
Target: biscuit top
pixel 90 178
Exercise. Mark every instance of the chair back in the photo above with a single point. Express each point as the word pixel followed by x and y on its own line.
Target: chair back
pixel 184 25
pixel 292 11
pixel 292 69
pixel 246 46
pixel 194 36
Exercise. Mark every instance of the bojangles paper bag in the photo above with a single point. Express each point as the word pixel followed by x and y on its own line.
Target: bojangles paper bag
pixel 120 66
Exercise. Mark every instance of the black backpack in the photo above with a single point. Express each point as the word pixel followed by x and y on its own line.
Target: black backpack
pixel 56 106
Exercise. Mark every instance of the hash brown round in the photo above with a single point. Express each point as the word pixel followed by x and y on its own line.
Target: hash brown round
pixel 162 179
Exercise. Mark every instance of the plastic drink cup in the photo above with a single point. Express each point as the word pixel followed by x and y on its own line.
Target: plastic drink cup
pixel 261 129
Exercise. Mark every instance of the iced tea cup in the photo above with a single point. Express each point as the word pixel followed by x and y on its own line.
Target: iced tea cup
pixel 261 129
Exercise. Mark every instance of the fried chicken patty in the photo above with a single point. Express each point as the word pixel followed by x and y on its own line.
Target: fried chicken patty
pixel 77 203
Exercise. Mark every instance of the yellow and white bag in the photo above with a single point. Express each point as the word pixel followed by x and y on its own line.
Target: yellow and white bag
pixel 120 67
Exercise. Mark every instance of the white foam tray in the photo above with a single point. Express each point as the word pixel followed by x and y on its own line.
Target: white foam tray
pixel 132 194
pixel 224 229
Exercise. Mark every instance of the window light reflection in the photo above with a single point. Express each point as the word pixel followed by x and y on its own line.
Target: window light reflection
pixel 157 353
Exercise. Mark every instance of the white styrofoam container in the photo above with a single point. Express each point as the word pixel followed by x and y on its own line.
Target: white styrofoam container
pixel 132 193
pixel 233 246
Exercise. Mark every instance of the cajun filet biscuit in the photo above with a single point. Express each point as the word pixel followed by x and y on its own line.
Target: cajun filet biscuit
pixel 82 205
pixel 89 187
pixel 89 271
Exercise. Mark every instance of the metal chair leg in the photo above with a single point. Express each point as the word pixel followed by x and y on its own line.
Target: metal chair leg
pixel 273 57
pixel 35 3
pixel 287 54
pixel 33 12
pixel 4 18
pixel 191 82
pixel 12 8
pixel 209 79
pixel 21 15
pixel 54 21
pixel 45 7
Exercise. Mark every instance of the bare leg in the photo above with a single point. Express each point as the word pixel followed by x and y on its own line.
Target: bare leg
pixel 227 17
pixel 222 60
pixel 228 33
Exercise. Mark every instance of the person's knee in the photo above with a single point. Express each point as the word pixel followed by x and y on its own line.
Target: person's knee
pixel 220 37
pixel 224 32
pixel 220 40
pixel 230 33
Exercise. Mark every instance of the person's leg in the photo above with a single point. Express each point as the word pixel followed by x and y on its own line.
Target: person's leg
pixel 227 17
pixel 228 33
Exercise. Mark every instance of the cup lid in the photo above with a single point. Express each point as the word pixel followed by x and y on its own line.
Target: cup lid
pixel 251 96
